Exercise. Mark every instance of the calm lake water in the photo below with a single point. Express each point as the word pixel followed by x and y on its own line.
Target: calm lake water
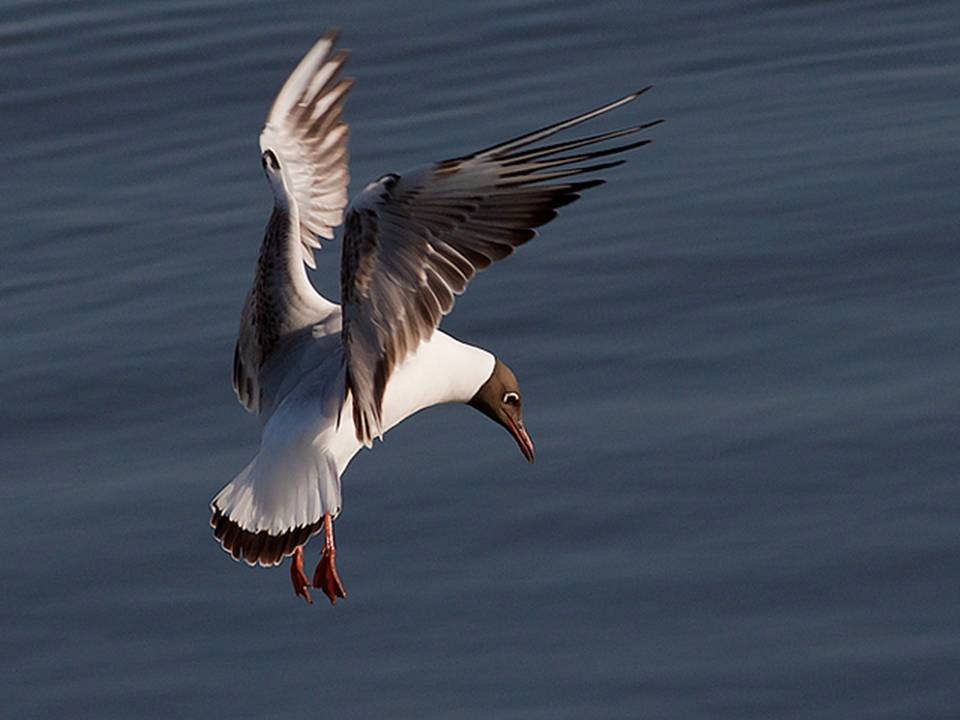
pixel 740 360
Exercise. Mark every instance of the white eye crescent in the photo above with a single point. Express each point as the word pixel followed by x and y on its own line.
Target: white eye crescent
pixel 511 398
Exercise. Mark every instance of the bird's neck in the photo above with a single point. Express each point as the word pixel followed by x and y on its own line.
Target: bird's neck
pixel 442 370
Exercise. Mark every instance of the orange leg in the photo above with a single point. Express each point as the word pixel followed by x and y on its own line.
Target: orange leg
pixel 297 576
pixel 326 577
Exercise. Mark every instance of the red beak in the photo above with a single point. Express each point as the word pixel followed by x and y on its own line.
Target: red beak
pixel 519 433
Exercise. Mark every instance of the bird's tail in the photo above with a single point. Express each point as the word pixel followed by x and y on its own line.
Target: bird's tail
pixel 275 504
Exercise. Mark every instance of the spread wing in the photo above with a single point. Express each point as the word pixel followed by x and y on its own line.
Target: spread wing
pixel 305 131
pixel 413 242
pixel 304 142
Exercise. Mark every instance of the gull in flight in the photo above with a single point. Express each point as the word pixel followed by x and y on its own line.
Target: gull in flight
pixel 326 379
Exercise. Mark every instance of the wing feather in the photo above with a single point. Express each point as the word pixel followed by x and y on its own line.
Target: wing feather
pixel 305 132
pixel 414 242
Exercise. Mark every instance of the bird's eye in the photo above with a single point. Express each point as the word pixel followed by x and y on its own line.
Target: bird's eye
pixel 270 160
pixel 511 398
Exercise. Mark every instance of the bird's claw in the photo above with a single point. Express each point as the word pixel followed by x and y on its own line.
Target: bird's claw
pixel 326 578
pixel 298 578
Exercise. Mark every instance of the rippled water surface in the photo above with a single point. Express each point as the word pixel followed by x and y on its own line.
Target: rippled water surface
pixel 740 360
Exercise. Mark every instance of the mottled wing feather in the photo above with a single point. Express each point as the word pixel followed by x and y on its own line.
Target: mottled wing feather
pixel 413 242
pixel 268 312
pixel 305 131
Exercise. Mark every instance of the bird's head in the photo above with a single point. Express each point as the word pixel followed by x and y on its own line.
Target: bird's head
pixel 499 399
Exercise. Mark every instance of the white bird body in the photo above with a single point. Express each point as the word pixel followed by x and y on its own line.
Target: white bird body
pixel 325 379
pixel 306 445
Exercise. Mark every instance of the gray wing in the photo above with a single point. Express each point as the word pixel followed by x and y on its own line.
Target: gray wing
pixel 413 242
pixel 308 138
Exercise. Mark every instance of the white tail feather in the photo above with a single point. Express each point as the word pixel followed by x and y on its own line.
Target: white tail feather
pixel 278 494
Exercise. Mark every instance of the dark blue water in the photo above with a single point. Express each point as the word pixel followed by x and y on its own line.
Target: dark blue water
pixel 740 360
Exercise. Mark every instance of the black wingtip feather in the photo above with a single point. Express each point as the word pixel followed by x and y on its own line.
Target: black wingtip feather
pixel 579 187
pixel 544 132
pixel 534 177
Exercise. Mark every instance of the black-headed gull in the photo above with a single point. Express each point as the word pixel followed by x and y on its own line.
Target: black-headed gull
pixel 326 379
